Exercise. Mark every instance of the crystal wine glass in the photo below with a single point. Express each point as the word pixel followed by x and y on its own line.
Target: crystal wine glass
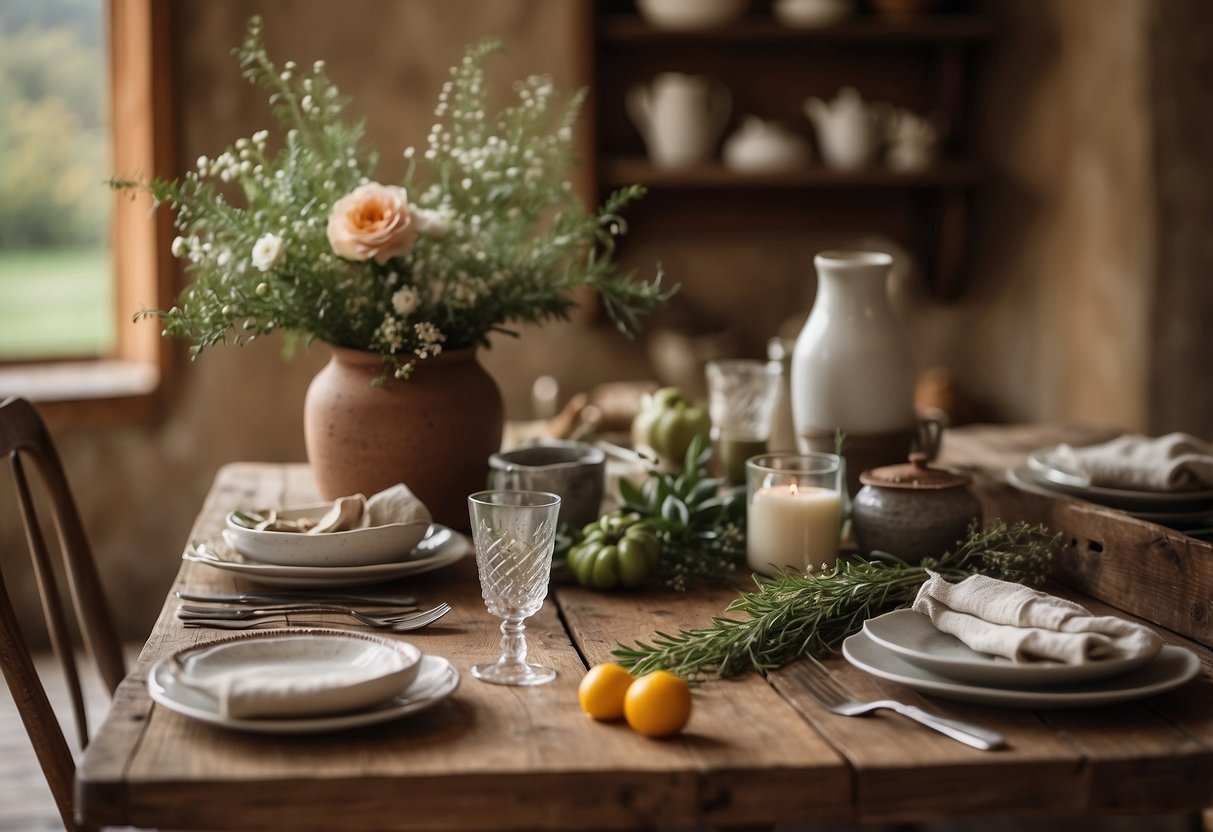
pixel 514 533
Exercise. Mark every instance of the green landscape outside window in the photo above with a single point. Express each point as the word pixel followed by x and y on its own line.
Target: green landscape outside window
pixel 56 281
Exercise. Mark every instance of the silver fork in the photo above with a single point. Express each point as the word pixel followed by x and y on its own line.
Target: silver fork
pixel 254 618
pixel 816 681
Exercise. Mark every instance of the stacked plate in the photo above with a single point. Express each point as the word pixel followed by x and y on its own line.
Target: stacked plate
pixel 1190 511
pixel 301 681
pixel 347 558
pixel 905 647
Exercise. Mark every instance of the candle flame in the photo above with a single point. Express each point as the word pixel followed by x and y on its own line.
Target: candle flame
pixel 793 490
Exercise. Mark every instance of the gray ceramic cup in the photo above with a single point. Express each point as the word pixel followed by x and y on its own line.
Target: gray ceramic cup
pixel 573 470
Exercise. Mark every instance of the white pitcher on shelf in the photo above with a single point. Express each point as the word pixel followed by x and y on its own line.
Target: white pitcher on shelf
pixel 847 129
pixel 680 117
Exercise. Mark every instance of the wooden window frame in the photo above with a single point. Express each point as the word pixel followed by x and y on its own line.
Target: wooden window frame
pixel 126 386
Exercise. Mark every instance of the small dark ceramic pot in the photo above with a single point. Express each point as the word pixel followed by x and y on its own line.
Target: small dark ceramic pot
pixel 912 511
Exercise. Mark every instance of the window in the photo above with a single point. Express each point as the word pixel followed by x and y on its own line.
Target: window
pixel 86 271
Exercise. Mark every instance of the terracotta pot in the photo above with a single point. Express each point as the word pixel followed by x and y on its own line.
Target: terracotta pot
pixel 434 431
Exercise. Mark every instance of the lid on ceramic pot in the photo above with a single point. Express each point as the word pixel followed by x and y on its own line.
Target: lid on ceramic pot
pixel 915 474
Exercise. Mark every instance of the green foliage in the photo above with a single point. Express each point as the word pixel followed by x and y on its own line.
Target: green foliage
pixel 702 531
pixel 503 239
pixel 52 135
pixel 799 614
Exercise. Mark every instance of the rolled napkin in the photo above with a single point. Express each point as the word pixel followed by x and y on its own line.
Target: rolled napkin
pixel 1024 624
pixel 1175 462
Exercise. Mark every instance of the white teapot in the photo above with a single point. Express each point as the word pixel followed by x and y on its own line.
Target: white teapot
pixel 680 117
pixel 764 146
pixel 847 129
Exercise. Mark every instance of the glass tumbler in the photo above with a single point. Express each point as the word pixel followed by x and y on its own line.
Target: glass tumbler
pixel 741 400
pixel 514 533
pixel 793 511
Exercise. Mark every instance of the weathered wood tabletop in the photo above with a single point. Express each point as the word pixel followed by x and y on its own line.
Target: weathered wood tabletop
pixel 756 751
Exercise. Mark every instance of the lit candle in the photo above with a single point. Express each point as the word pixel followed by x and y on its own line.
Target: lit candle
pixel 792 526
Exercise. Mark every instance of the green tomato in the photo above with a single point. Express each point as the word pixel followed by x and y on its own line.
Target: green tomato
pixel 619 550
pixel 635 562
pixel 605 570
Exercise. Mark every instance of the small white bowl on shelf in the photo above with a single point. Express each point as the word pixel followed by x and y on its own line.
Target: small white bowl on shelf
pixel 691 14
pixel 810 13
pixel 355 547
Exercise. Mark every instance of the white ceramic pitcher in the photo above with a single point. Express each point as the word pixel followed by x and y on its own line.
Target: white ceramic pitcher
pixel 847 129
pixel 680 117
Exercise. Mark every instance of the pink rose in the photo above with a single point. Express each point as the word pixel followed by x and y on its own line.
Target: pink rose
pixel 372 221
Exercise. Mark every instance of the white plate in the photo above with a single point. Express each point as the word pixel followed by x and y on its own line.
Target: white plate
pixel 1169 669
pixel 295 673
pixel 1039 473
pixel 441 548
pixel 436 680
pixel 913 637
pixel 356 547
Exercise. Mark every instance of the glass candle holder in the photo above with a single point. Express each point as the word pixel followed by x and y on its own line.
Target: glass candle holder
pixel 741 401
pixel 793 511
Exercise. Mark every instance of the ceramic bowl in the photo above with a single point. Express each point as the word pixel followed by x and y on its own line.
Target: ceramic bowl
pixel 358 547
pixel 691 14
pixel 809 13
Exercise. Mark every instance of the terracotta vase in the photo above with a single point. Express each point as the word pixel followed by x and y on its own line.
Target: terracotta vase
pixel 434 431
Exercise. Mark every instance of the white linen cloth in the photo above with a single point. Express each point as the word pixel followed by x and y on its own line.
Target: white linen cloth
pixel 397 504
pixel 299 675
pixel 1024 624
pixel 1175 462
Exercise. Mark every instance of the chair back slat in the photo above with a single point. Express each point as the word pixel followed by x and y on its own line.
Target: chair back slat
pixel 25 441
pixel 52 603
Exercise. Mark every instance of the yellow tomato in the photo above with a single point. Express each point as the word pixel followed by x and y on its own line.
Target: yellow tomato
pixel 602 690
pixel 658 704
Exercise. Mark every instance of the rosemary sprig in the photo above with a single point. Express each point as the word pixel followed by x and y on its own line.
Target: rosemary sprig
pixel 794 614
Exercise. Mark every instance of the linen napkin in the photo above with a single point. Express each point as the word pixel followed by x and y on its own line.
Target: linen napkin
pixel 1175 462
pixel 271 684
pixel 397 504
pixel 1024 624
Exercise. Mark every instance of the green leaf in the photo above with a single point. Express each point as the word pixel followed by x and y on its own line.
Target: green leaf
pixel 630 494
pixel 675 510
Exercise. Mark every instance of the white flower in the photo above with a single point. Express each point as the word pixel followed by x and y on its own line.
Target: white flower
pixel 178 247
pixel 405 301
pixel 268 252
pixel 434 224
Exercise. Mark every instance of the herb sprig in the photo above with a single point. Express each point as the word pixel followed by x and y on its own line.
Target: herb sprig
pixel 795 614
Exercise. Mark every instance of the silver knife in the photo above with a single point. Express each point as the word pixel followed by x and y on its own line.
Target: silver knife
pixel 296 597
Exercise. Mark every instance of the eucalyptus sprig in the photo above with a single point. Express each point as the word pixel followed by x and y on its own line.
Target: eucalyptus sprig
pixel 798 614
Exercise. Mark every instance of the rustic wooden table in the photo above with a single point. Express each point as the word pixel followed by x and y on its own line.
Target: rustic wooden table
pixel 757 751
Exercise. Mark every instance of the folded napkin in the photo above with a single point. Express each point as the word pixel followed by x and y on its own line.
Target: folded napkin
pixel 1025 624
pixel 1175 462
pixel 397 504
pixel 290 678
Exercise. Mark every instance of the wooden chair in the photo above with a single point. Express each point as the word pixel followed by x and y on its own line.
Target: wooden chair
pixel 24 439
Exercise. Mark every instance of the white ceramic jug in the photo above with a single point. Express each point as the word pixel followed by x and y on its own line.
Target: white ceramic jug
pixel 852 369
pixel 847 129
pixel 680 117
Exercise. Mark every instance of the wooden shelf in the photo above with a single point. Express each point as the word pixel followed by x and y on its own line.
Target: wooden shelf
pixel 632 29
pixel 620 171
